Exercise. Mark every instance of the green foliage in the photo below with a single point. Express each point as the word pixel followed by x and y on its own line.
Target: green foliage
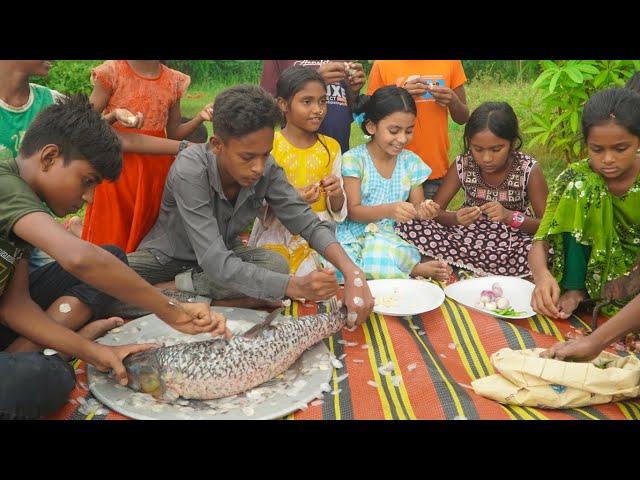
pixel 502 70
pixel 566 85
pixel 69 77
pixel 204 72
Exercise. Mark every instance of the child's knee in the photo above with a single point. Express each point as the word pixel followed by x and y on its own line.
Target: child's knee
pixel 74 303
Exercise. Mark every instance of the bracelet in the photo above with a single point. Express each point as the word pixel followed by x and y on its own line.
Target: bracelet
pixel 517 219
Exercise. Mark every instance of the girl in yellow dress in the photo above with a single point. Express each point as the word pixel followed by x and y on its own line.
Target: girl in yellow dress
pixel 311 161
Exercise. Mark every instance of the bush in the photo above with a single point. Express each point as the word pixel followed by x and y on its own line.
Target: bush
pixel 502 70
pixel 69 76
pixel 231 71
pixel 567 85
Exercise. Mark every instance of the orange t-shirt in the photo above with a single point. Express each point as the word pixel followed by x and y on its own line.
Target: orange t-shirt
pixel 431 133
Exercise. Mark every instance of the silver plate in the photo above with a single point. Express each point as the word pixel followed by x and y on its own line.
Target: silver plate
pixel 300 384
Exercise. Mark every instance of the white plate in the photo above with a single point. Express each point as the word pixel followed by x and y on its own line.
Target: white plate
pixel 401 297
pixel 283 396
pixel 516 290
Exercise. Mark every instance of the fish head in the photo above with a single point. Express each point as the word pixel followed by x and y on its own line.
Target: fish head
pixel 145 374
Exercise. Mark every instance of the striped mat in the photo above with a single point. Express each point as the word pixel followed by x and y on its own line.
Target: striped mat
pixel 436 356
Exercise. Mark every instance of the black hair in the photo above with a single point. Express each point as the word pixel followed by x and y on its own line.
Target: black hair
pixel 634 83
pixel 497 117
pixel 244 109
pixel 382 103
pixel 79 132
pixel 199 135
pixel 618 105
pixel 292 80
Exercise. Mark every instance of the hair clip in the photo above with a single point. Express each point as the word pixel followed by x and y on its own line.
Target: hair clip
pixel 359 119
pixel 612 115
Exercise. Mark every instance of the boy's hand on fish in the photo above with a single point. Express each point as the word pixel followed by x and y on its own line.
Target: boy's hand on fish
pixel 314 286
pixel 331 185
pixel 106 358
pixel 496 212
pixel 357 297
pixel 207 112
pixel 333 72
pixel 546 296
pixel 402 211
pixel 428 210
pixel 467 215
pixel 220 324
pixel 194 318
pixel 414 86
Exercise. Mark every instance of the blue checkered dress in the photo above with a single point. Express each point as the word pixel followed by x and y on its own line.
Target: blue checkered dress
pixel 381 253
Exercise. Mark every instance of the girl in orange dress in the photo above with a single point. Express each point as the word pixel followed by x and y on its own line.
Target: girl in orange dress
pixel 124 211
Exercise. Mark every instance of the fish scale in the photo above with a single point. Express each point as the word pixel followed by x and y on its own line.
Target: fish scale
pixel 218 368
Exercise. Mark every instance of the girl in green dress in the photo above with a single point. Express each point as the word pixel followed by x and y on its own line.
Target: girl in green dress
pixel 592 218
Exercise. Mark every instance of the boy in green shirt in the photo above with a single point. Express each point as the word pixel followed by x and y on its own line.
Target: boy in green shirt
pixel 67 150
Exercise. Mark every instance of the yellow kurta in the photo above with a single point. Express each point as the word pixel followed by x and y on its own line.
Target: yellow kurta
pixel 303 166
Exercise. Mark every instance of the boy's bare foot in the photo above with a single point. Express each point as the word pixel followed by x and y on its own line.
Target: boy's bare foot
pixel 569 301
pixel 74 225
pixel 436 269
pixel 98 328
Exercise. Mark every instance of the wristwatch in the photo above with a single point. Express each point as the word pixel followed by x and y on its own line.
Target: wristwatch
pixel 517 219
pixel 183 144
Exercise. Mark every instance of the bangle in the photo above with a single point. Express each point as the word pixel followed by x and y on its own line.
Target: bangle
pixel 517 219
pixel 183 144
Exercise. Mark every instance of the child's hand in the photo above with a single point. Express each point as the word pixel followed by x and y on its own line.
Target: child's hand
pixel 428 210
pixel 442 95
pixel 128 119
pixel 355 76
pixel 74 225
pixel 414 86
pixel 207 113
pixel 310 193
pixel 333 72
pixel 402 211
pixel 331 185
pixel 314 286
pixel 357 296
pixel 546 296
pixel 106 358
pixel 496 212
pixel 467 215
pixel 580 350
pixel 194 318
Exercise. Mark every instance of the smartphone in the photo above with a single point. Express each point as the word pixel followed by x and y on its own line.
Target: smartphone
pixel 431 80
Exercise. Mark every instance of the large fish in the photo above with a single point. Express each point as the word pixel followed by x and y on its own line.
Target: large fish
pixel 218 368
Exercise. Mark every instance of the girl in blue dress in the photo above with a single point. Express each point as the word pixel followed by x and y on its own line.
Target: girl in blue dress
pixel 383 185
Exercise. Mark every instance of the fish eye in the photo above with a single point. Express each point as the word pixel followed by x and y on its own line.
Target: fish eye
pixel 149 383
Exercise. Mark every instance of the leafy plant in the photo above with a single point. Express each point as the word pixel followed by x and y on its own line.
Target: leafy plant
pixel 69 77
pixel 567 85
